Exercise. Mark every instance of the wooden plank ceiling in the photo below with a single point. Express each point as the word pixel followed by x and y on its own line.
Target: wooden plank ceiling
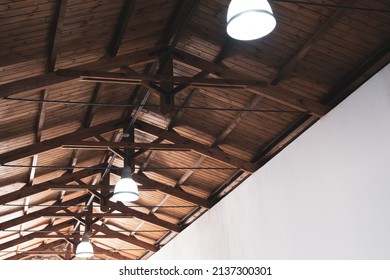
pixel 206 111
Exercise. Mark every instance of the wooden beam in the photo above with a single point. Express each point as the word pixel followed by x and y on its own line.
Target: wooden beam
pixel 379 59
pixel 176 192
pixel 41 248
pixel 60 140
pixel 71 188
pixel 177 21
pixel 34 162
pixel 38 133
pixel 109 145
pixel 292 63
pixel 31 236
pixel 149 218
pixel 39 213
pixel 47 249
pixel 127 11
pixel 167 99
pixel 97 250
pixel 222 136
pixel 275 93
pixel 189 172
pixel 131 239
pixel 82 215
pixel 105 194
pixel 210 152
pixel 97 92
pixel 31 190
pixel 56 34
pixel 47 81
pixel 227 46
pixel 41 116
pixel 74 236
pixel 137 79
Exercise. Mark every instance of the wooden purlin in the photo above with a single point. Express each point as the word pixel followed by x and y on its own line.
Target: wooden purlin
pixel 149 80
pixel 39 213
pixel 32 190
pixel 109 126
pixel 41 248
pixel 214 153
pixel 302 52
pixel 60 140
pixel 49 80
pixel 274 93
pixel 149 218
pixel 28 237
pixel 130 239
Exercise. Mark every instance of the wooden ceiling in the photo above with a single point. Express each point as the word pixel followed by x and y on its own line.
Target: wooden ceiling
pixel 202 111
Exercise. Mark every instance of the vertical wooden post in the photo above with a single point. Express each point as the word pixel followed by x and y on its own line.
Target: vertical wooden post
pixel 105 192
pixel 167 99
pixel 130 151
pixel 88 218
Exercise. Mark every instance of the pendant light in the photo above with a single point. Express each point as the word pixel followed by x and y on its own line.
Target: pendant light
pixel 249 19
pixel 84 249
pixel 126 188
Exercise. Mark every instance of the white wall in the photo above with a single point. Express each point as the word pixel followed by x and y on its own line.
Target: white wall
pixel 326 196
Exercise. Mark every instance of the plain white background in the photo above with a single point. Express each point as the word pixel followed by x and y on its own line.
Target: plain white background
pixel 326 196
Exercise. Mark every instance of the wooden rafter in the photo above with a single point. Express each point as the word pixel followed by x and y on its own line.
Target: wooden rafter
pixel 150 81
pixel 109 126
pixel 221 55
pixel 373 64
pixel 59 141
pixel 48 249
pixel 178 20
pixel 31 190
pixel 189 172
pixel 123 21
pixel 197 147
pixel 125 212
pixel 31 236
pixel 274 93
pixel 112 51
pixel 107 145
pixel 40 213
pixel 110 253
pixel 41 248
pixel 150 218
pixel 176 192
pixel 38 133
pixel 302 52
pixel 221 137
pixel 46 81
pixel 56 34
pixel 123 237
pixel 97 92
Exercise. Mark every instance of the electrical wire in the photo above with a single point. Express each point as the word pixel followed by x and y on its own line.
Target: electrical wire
pixel 81 232
pixel 95 206
pixel 332 6
pixel 114 167
pixel 79 103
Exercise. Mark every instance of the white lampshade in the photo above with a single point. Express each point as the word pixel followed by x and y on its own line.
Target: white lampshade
pixel 249 19
pixel 84 249
pixel 126 189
